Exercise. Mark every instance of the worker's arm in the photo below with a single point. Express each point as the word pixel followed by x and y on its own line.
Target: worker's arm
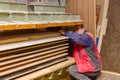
pixel 82 39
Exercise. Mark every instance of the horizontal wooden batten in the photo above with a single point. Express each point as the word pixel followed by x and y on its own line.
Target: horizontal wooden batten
pixel 36 26
pixel 30 36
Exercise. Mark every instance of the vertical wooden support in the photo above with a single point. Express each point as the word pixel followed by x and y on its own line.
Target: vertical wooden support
pixel 104 15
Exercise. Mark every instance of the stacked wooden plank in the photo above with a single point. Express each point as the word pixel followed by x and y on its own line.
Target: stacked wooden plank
pixel 33 55
pixel 19 16
pixel 33 58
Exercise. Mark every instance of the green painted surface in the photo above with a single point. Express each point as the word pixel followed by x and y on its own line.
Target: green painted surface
pixel 56 17
pixel 33 17
pixel 19 17
pixel 75 17
pixel 22 17
pixel 4 0
pixel 48 9
pixel 66 17
pixel 45 17
pixel 5 6
pixel 4 17
pixel 18 7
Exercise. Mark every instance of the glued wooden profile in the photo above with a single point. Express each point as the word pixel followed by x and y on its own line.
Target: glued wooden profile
pixel 31 47
pixel 30 65
pixel 54 62
pixel 39 54
pixel 29 53
pixel 47 70
pixel 25 37
pixel 29 43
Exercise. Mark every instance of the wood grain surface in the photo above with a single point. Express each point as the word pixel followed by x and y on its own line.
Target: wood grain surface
pixel 87 11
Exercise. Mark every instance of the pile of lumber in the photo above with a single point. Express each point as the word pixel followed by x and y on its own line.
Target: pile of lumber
pixel 35 58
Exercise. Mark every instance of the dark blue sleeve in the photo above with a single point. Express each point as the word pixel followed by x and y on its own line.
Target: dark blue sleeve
pixel 82 39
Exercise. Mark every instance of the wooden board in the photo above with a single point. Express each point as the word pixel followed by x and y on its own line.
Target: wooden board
pixel 29 61
pixel 30 65
pixel 54 62
pixel 29 43
pixel 103 24
pixel 8 27
pixel 101 4
pixel 47 70
pixel 32 47
pixel 86 9
pixel 25 37
pixel 28 53
pixel 36 55
pixel 36 26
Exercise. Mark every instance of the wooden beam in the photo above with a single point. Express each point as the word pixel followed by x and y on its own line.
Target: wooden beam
pixel 105 10
pixel 37 26
pixel 25 37
pixel 105 26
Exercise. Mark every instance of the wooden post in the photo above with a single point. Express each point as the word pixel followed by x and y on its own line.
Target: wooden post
pixel 105 9
pixel 105 26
